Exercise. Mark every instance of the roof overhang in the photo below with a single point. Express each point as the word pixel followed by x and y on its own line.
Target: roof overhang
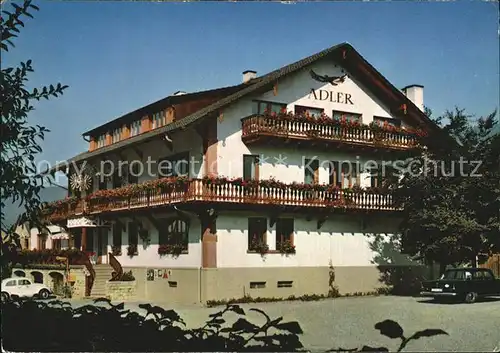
pixel 344 54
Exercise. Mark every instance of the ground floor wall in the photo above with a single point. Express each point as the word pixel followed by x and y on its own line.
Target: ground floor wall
pixel 55 278
pixel 191 285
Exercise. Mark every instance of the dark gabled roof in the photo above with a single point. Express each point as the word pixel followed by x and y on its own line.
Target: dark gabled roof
pixel 231 94
pixel 162 104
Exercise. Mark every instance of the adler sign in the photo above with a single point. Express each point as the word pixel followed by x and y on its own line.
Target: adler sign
pixel 330 96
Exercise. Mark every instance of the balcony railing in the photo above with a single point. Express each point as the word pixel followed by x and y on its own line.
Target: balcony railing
pixel 198 190
pixel 257 126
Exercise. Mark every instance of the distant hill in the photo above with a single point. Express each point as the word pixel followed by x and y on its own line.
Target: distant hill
pixel 49 194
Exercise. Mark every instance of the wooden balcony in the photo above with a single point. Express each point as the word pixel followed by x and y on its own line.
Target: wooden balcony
pixel 201 191
pixel 264 128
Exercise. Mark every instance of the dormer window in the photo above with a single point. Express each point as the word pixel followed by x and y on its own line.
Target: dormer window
pixel 101 141
pixel 158 119
pixel 135 128
pixel 116 135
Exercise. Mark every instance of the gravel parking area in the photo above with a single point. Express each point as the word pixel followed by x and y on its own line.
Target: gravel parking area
pixel 349 322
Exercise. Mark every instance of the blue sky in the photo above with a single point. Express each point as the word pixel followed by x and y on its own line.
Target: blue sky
pixel 119 56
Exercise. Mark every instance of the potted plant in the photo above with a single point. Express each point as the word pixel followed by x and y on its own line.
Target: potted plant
pixel 171 249
pixel 132 250
pixel 258 245
pixel 116 250
pixel 286 247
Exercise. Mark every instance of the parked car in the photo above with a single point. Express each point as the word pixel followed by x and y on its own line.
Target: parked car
pixel 23 287
pixel 464 284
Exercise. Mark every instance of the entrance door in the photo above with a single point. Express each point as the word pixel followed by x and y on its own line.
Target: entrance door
pixel 102 246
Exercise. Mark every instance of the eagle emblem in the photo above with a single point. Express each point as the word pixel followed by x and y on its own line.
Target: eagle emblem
pixel 333 80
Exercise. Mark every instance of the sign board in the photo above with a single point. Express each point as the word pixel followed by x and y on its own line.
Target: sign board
pixel 85 222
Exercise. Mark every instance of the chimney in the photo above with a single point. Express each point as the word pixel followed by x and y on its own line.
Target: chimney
pixel 249 75
pixel 415 93
pixel 179 93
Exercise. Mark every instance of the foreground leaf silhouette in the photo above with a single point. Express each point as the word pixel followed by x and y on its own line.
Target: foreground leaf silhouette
pixel 55 326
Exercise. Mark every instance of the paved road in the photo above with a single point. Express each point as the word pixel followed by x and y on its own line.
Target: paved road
pixel 349 322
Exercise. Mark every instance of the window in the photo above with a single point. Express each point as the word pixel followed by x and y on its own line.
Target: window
pixel 176 165
pixel 285 284
pixel 133 233
pixel 351 117
pixel 376 179
pixel 260 107
pixel 103 184
pixel 158 119
pixel 115 137
pixel 173 232
pixel 90 239
pixel 344 174
pixel 135 128
pixel 117 235
pixel 23 282
pixel 133 173
pixel 172 284
pixel 311 171
pixel 386 121
pixel 56 244
pixel 117 179
pixel 284 231
pixel 313 112
pixel 42 241
pixel 255 285
pixel 257 229
pixel 101 141
pixel 10 283
pixel 250 167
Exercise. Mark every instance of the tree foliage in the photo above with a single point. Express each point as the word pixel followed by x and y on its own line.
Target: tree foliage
pixel 450 193
pixel 20 182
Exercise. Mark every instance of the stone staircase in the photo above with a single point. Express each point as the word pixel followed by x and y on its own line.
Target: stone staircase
pixel 102 275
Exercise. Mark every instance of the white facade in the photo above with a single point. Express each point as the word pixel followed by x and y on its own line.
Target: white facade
pixel 341 241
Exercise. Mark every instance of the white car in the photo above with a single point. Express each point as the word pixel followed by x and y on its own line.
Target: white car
pixel 23 287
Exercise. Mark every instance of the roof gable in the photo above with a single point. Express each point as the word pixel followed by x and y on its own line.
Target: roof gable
pixel 343 54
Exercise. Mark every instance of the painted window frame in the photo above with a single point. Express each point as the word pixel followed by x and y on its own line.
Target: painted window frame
pixel 287 234
pixel 302 109
pixel 101 140
pixel 135 128
pixel 116 236
pixel 254 161
pixel 260 106
pixel 349 116
pixel 256 231
pixel 174 159
pixel 158 119
pixel 315 175
pixel 337 174
pixel 174 231
pixel 133 234
pixel 116 135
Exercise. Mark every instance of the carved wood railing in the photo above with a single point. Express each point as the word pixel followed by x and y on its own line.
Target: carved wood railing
pixel 257 125
pixel 117 267
pixel 230 192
